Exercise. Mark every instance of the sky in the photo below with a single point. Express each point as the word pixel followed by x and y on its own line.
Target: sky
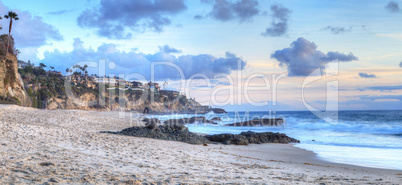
pixel 254 55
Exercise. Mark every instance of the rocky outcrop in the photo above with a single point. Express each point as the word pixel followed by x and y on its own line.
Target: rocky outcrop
pixel 259 122
pixel 151 123
pixel 11 85
pixel 227 139
pixel 218 111
pixel 175 132
pixel 165 132
pixel 268 137
pixel 184 121
pixel 246 138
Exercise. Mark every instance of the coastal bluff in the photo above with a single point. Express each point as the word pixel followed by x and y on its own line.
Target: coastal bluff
pixel 12 89
pixel 26 84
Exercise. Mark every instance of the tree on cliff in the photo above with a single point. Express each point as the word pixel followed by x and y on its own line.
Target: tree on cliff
pixel 42 66
pixel 11 15
pixel 85 70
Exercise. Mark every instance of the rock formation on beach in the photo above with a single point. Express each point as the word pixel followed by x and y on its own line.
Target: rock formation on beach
pixel 250 137
pixel 164 132
pixel 218 111
pixel 259 122
pixel 178 132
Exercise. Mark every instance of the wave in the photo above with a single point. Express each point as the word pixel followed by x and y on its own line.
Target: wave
pixel 346 138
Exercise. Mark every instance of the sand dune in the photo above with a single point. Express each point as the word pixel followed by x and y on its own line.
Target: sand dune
pixel 65 146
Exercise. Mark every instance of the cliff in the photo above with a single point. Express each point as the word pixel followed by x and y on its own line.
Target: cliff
pixel 130 101
pixel 34 87
pixel 11 85
pixel 54 91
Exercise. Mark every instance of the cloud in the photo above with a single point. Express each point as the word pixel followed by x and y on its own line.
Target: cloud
pixel 168 49
pixel 61 12
pixel 279 23
pixel 242 10
pixel 26 34
pixel 384 88
pixel 396 36
pixel 367 75
pixel 392 7
pixel 115 19
pixel 381 97
pixel 25 31
pixel 336 30
pixel 302 57
pixel 137 62
pixel 198 17
pixel 380 102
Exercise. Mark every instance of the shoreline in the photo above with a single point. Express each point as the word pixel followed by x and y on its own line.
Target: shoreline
pixel 65 146
pixel 317 157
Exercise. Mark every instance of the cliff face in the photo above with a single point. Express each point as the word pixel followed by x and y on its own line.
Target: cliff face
pixel 11 85
pixel 90 101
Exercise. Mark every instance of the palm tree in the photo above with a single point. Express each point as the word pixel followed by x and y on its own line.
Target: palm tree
pixel 11 15
pixel 41 66
pixel 85 69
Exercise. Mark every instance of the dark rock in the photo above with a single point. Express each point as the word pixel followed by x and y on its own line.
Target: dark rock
pixel 228 139
pixel 165 132
pixel 245 138
pixel 218 111
pixel 151 123
pixel 184 121
pixel 216 119
pixel 268 137
pixel 259 122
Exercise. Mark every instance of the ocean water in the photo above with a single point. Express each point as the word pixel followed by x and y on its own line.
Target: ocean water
pixel 364 138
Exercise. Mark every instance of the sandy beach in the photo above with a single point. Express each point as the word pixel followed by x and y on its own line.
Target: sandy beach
pixel 65 146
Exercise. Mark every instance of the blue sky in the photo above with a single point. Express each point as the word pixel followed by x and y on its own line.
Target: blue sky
pixel 227 38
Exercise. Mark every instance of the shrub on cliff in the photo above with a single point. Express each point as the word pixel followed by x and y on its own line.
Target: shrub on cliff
pixel 10 76
pixel 3 44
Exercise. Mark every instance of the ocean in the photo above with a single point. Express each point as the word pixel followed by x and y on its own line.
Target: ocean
pixel 363 138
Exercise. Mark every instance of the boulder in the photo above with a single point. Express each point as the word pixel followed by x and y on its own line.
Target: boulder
pixel 165 132
pixel 218 111
pixel 151 123
pixel 268 137
pixel 245 138
pixel 228 139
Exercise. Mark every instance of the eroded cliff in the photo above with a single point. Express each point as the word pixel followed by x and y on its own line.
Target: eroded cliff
pixel 11 85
